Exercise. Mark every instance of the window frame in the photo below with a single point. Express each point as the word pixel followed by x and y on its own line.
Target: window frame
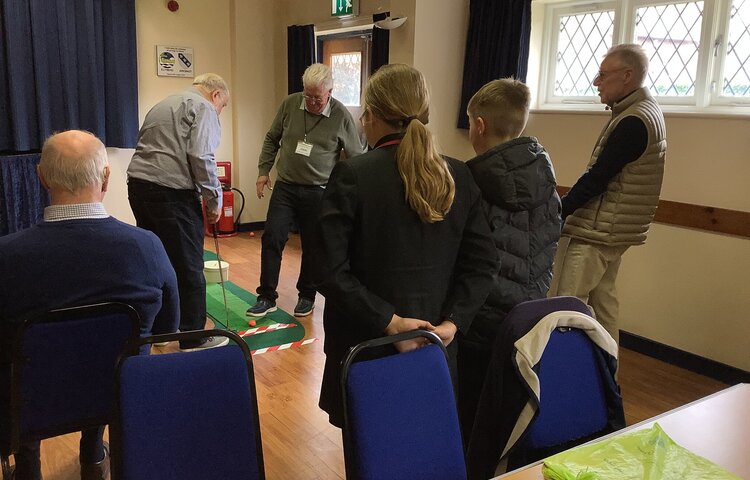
pixel 720 46
pixel 710 64
pixel 549 54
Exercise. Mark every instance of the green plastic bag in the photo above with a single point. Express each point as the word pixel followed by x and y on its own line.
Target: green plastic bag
pixel 641 455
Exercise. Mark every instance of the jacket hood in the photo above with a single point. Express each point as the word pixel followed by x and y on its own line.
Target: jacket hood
pixel 516 175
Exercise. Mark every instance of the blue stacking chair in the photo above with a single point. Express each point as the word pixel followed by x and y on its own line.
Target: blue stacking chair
pixel 400 419
pixel 187 415
pixel 62 373
pixel 573 406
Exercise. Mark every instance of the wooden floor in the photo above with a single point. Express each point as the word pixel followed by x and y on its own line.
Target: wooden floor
pixel 298 442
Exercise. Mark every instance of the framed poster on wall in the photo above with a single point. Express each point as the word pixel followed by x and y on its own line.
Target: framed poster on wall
pixel 174 61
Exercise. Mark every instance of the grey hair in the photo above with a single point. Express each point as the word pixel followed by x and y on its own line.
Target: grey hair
pixel 73 164
pixel 211 82
pixel 317 75
pixel 633 56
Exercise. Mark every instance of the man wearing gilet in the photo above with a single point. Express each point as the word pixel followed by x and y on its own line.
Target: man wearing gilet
pixel 612 204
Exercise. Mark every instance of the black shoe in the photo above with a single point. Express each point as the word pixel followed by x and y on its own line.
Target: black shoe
pixel 98 470
pixel 261 308
pixel 304 307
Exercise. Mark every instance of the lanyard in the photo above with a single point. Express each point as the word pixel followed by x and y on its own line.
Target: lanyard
pixel 304 115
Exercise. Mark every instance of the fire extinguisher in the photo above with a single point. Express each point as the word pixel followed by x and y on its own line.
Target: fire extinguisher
pixel 228 222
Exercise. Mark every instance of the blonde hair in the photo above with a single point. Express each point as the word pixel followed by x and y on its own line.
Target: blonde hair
pixel 632 56
pixel 318 75
pixel 73 161
pixel 504 106
pixel 212 82
pixel 398 95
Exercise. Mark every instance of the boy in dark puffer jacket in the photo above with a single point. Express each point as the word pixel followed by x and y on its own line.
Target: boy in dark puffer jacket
pixel 522 206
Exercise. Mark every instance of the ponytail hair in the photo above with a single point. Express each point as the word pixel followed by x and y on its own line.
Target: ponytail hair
pixel 398 95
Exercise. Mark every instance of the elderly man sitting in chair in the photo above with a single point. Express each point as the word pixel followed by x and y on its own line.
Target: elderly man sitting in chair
pixel 79 255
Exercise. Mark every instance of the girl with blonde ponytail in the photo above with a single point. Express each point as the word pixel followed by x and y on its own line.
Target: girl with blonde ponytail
pixel 404 242
pixel 429 185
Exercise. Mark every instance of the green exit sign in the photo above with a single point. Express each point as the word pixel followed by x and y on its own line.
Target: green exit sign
pixel 342 8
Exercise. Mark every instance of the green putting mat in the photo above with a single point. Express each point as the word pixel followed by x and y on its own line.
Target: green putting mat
pixel 238 301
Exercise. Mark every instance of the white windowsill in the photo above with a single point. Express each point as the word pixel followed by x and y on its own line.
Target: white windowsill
pixel 672 111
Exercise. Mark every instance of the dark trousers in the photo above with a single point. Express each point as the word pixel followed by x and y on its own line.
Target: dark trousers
pixel 28 463
pixel 473 363
pixel 176 217
pixel 290 202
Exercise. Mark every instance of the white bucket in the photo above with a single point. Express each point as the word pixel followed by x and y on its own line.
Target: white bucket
pixel 211 271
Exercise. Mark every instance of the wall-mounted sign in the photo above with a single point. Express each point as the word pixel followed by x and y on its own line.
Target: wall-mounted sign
pixel 343 8
pixel 174 61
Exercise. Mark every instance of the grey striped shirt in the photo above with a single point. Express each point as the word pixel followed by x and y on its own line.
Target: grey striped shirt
pixel 176 146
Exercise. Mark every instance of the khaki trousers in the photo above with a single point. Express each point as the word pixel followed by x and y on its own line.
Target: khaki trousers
pixel 588 271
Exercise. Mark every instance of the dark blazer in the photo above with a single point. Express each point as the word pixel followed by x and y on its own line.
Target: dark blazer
pixel 379 258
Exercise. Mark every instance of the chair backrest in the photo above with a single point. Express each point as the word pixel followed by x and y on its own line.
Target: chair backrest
pixel 62 370
pixel 535 310
pixel 187 415
pixel 400 419
pixel 573 404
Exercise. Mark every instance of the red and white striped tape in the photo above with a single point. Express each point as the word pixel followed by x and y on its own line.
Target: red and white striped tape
pixel 265 328
pixel 283 346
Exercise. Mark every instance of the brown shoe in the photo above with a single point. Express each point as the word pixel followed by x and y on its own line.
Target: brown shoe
pixel 99 470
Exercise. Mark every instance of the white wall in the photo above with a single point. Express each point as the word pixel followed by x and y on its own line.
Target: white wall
pixel 439 43
pixel 203 26
pixel 689 289
pixel 116 198
pixel 255 52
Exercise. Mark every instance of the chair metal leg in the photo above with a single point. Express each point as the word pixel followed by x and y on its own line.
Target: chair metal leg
pixel 7 469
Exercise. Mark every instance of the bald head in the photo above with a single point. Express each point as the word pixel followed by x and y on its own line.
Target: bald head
pixel 74 163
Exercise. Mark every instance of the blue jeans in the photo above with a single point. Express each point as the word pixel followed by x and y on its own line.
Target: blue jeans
pixel 176 217
pixel 290 202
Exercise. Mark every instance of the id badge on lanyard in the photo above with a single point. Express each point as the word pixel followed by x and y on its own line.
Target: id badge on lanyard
pixel 303 148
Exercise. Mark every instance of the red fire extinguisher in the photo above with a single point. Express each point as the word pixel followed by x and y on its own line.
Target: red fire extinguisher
pixel 226 226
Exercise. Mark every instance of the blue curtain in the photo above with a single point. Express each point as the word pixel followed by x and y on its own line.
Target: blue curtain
pixel 497 46
pixel 22 197
pixel 300 44
pixel 380 48
pixel 67 64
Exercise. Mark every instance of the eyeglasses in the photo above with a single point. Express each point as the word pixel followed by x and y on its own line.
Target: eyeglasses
pixel 602 74
pixel 314 99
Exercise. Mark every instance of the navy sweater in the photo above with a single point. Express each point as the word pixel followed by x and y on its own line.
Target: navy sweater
pixel 82 261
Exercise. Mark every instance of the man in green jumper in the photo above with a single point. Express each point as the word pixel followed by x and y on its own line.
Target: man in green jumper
pixel 310 132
